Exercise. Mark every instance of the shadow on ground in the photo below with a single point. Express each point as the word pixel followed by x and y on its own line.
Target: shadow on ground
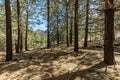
pixel 81 74
pixel 55 64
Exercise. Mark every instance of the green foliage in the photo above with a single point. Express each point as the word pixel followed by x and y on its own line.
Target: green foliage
pixel 38 8
pixel 35 40
pixel 38 40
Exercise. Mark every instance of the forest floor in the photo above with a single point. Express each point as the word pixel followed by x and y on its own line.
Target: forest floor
pixel 60 63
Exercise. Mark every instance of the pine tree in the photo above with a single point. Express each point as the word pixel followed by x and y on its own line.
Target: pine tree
pixel 48 26
pixel 76 26
pixel 86 27
pixel 8 31
pixel 109 33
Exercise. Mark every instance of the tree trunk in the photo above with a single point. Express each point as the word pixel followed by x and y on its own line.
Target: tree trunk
pixel 20 25
pixel 71 30
pixel 26 33
pixel 57 32
pixel 8 31
pixel 109 34
pixel 19 41
pixel 57 36
pixel 67 40
pixel 76 26
pixel 48 29
pixel 86 27
pixel 57 22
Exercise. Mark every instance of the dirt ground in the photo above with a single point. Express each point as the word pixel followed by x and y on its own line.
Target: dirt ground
pixel 60 63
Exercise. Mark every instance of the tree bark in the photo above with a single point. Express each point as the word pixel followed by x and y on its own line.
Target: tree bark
pixel 76 26
pixel 19 41
pixel 86 27
pixel 57 32
pixel 57 36
pixel 67 40
pixel 71 30
pixel 8 31
pixel 109 35
pixel 57 22
pixel 26 33
pixel 48 29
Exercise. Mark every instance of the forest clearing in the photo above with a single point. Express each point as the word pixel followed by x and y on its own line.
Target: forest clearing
pixel 60 63
pixel 59 39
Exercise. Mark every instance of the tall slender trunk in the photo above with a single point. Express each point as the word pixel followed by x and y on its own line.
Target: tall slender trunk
pixel 86 27
pixel 109 34
pixel 67 40
pixel 21 36
pixel 57 20
pixel 57 36
pixel 76 26
pixel 26 33
pixel 8 31
pixel 71 30
pixel 19 41
pixel 57 32
pixel 48 29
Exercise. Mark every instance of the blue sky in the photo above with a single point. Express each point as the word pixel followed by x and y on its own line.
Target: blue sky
pixel 41 27
pixel 42 23
pixel 40 9
pixel 1 1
